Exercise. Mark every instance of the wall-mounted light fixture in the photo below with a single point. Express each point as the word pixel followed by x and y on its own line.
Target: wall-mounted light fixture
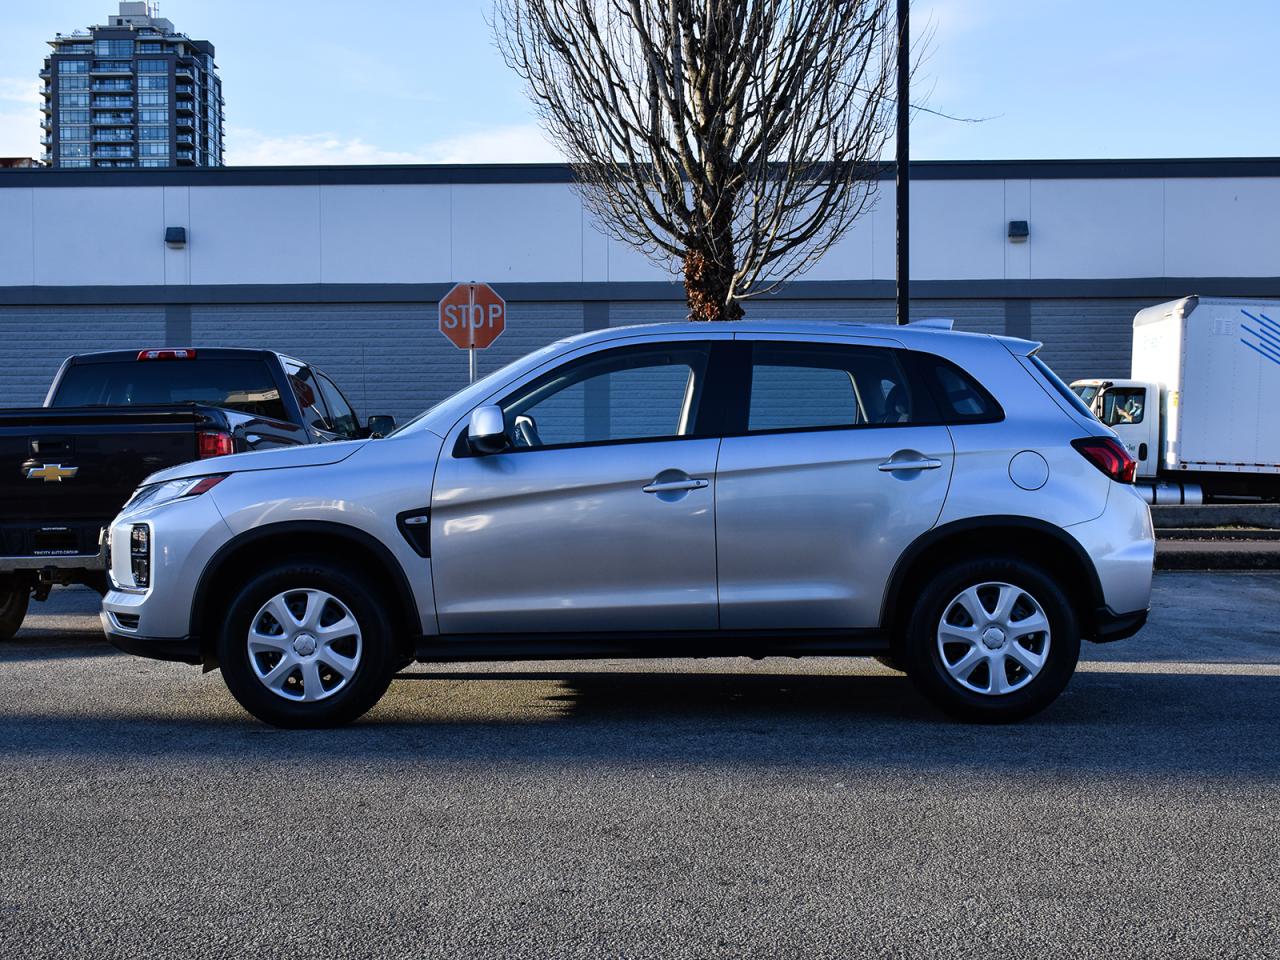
pixel 175 238
pixel 1019 231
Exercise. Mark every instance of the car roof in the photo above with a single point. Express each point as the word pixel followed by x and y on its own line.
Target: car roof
pixel 918 336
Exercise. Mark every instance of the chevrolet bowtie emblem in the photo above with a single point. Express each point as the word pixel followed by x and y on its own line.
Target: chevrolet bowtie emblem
pixel 51 472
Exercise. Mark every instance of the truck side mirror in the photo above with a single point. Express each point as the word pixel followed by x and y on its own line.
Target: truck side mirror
pixel 379 425
pixel 487 432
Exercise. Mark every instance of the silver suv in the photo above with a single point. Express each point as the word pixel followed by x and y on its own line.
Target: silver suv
pixel 936 499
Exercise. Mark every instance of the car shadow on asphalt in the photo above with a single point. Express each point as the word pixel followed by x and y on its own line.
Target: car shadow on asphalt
pixel 1221 726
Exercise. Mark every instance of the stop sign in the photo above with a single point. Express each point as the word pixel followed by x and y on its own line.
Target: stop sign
pixel 472 315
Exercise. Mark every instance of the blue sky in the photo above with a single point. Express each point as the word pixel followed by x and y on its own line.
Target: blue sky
pixel 400 81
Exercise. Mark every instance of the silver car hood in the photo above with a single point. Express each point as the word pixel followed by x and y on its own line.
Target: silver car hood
pixel 311 455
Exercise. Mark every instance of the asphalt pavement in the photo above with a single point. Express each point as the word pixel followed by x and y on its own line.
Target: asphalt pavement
pixel 719 808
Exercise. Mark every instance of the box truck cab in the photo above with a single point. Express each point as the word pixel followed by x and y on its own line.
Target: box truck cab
pixel 1196 413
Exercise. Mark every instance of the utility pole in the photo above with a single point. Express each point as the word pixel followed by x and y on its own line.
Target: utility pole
pixel 902 167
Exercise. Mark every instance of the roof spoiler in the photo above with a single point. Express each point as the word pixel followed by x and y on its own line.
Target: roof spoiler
pixel 934 323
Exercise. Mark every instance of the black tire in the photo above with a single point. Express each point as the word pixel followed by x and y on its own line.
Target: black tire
pixel 14 598
pixel 924 662
pixel 377 662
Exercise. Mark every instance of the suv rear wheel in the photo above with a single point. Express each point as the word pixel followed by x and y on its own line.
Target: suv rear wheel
pixel 992 640
pixel 307 644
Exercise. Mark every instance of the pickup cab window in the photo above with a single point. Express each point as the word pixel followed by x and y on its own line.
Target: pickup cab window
pixel 341 416
pixel 307 392
pixel 243 385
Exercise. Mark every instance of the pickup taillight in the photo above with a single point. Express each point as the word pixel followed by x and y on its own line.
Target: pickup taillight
pixel 214 443
pixel 1108 455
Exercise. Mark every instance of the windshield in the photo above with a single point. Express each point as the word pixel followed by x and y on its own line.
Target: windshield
pixel 471 395
pixel 1086 393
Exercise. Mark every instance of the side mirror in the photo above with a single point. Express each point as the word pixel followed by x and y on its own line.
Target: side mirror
pixel 487 432
pixel 379 425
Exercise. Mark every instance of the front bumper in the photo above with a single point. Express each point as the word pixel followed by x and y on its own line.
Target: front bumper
pixel 184 535
pixel 181 650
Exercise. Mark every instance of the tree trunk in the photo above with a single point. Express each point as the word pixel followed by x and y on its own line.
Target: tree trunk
pixel 706 288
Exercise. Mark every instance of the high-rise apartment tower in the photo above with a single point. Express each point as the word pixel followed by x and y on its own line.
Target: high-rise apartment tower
pixel 131 93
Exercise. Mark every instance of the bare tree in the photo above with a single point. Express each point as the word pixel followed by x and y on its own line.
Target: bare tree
pixel 736 138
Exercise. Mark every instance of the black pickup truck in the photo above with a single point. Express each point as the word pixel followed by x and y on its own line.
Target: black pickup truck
pixel 110 419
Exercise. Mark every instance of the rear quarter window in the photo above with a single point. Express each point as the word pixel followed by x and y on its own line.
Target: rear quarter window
pixel 960 398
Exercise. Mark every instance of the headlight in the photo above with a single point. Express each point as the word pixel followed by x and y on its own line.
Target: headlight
pixel 155 494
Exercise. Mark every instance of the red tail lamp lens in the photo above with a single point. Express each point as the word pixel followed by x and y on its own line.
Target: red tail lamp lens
pixel 1108 455
pixel 215 443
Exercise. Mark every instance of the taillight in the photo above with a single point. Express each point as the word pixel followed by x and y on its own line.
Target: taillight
pixel 214 443
pixel 167 353
pixel 1108 455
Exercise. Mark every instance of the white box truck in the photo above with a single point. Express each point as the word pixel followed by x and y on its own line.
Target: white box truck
pixel 1201 413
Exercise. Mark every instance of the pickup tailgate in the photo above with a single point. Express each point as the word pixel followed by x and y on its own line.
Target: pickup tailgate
pixel 64 471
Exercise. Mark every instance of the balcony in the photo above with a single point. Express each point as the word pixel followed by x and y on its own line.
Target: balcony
pixel 113 163
pixel 112 119
pixel 101 103
pixel 185 138
pixel 47 140
pixel 109 85
pixel 46 105
pixel 100 153
pixel 186 156
pixel 184 89
pixel 46 124
pixel 184 73
pixel 181 107
pixel 104 68
pixel 118 135
pixel 46 90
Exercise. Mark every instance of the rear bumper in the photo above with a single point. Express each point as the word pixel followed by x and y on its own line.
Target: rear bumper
pixel 1109 625
pixel 74 561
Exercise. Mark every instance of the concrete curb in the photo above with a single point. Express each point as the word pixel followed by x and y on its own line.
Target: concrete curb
pixel 1264 515
pixel 1218 555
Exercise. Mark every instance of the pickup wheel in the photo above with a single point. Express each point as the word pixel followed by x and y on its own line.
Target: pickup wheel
pixel 307 644
pixel 14 597
pixel 992 640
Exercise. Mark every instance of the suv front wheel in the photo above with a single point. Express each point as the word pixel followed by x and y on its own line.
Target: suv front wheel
pixel 992 640
pixel 307 644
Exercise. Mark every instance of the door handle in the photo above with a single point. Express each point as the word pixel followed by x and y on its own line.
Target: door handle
pixel 924 463
pixel 672 486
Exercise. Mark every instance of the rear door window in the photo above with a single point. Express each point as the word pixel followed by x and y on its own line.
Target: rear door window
pixel 815 386
pixel 243 385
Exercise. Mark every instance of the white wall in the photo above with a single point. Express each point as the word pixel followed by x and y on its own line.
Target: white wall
pixel 405 233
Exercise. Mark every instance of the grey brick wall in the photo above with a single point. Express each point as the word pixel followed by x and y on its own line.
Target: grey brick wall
pixel 391 358
pixel 1085 338
pixel 35 340
pixel 387 358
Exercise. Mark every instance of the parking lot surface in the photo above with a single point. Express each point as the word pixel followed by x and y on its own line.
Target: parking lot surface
pixel 780 808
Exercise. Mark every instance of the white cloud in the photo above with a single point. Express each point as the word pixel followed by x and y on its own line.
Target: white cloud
pixel 510 144
pixel 516 144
